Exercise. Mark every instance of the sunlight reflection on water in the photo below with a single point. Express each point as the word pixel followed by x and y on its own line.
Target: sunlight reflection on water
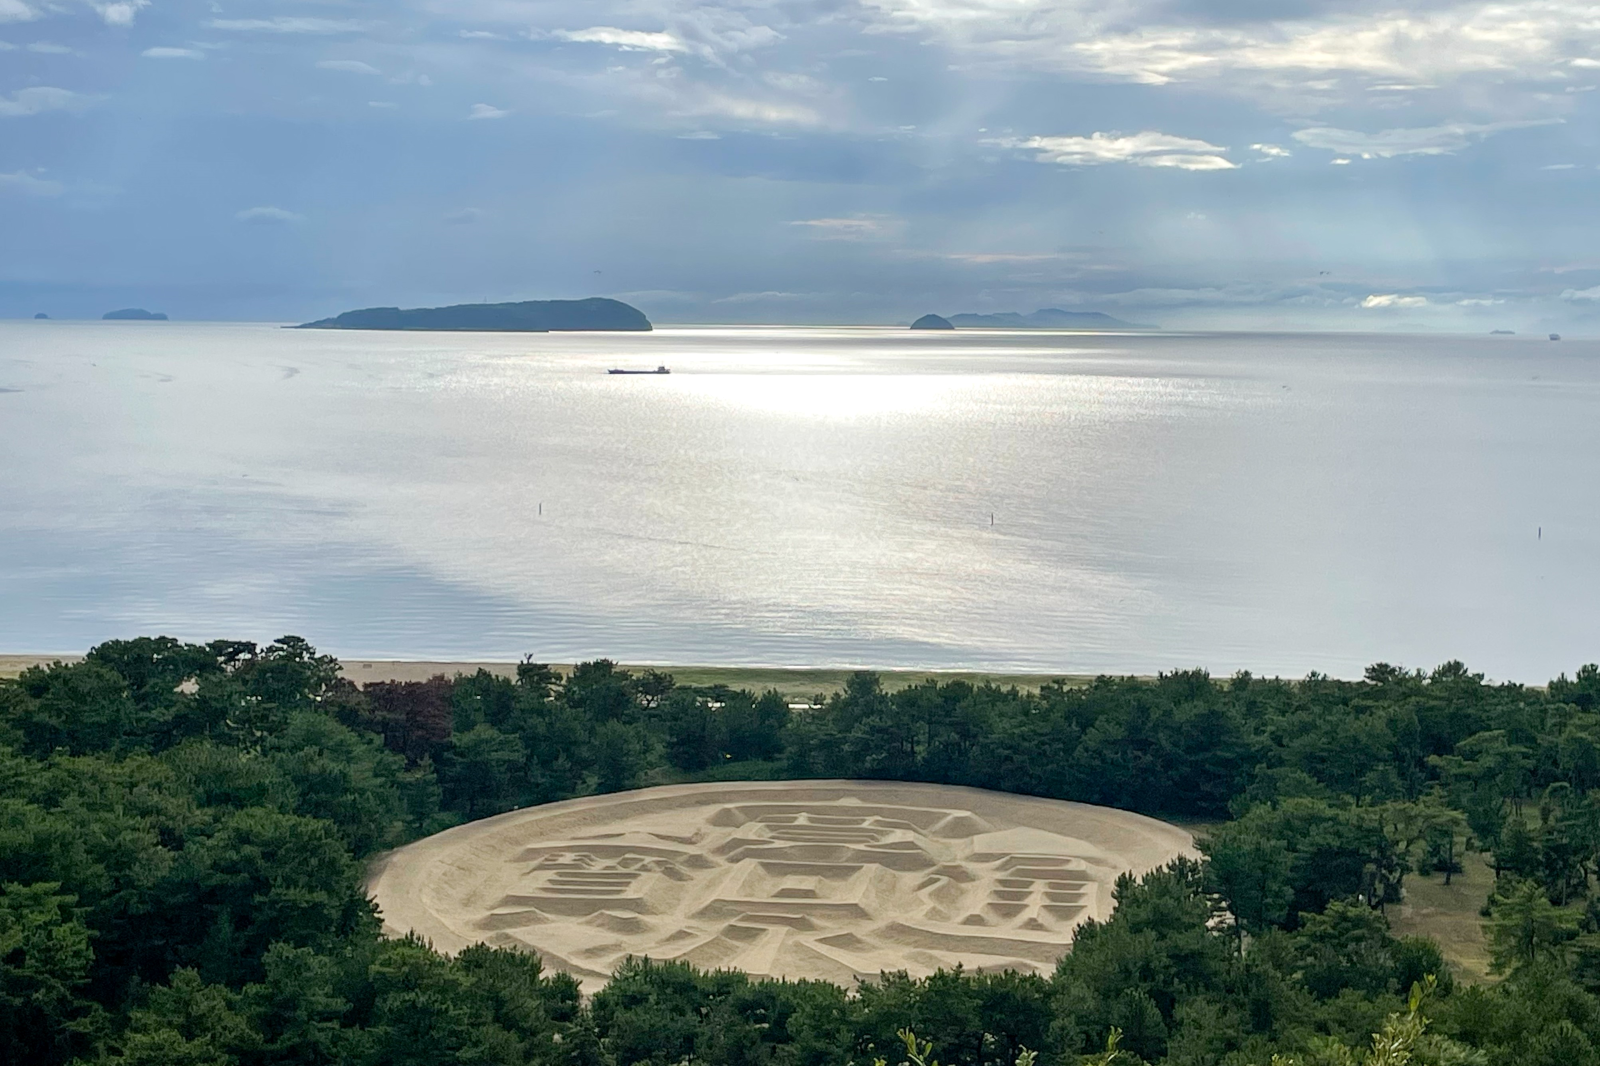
pixel 1043 501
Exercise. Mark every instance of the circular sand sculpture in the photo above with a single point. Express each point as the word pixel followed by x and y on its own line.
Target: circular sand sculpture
pixel 835 880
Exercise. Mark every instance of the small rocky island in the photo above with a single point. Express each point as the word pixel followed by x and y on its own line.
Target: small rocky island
pixel 134 314
pixel 528 316
pixel 932 322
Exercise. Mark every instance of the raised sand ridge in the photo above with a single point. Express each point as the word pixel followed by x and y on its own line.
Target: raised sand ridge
pixel 835 880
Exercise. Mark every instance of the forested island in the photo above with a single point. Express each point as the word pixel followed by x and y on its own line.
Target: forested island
pixel 185 828
pixel 527 316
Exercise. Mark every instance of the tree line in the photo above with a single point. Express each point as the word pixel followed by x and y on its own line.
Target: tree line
pixel 183 829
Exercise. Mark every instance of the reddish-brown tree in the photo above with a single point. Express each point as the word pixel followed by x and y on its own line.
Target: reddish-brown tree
pixel 413 717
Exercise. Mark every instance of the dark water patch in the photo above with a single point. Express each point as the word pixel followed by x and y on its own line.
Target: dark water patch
pixel 76 590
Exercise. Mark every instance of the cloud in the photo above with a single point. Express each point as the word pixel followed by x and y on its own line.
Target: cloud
pixel 41 98
pixel 288 24
pixel 1153 43
pixel 28 185
pixel 638 66
pixel 1559 166
pixel 1237 294
pixel 1582 295
pixel 627 40
pixel 267 215
pixel 770 294
pixel 1425 140
pixel 700 135
pixel 350 66
pixel 120 13
pixel 858 228
pixel 755 110
pixel 702 104
pixel 712 32
pixel 795 83
pixel 16 11
pixel 1187 162
pixel 1390 299
pixel 49 48
pixel 1479 301
pixel 1586 63
pixel 661 80
pixel 986 258
pixel 1147 149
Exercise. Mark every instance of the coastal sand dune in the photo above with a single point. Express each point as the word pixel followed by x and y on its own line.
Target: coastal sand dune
pixel 836 880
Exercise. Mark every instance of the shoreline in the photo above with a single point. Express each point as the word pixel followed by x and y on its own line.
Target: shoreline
pixel 792 681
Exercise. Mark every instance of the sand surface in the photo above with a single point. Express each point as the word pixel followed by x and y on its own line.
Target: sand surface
pixel 12 665
pixel 836 880
pixel 795 682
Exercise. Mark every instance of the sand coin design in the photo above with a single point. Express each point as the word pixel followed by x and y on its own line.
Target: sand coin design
pixel 816 879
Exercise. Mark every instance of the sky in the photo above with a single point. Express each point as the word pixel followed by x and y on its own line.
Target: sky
pixel 1219 164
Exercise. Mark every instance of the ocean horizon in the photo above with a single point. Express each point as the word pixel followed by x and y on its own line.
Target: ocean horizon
pixel 808 496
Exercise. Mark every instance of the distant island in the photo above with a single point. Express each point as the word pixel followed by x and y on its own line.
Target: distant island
pixel 41 314
pixel 528 316
pixel 1045 318
pixel 134 314
pixel 1502 333
pixel 932 322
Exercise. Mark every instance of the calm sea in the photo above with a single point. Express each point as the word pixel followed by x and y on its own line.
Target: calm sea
pixel 1281 503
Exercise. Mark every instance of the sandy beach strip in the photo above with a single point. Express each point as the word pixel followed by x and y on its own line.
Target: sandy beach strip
pixel 12 665
pixel 796 682
pixel 799 682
